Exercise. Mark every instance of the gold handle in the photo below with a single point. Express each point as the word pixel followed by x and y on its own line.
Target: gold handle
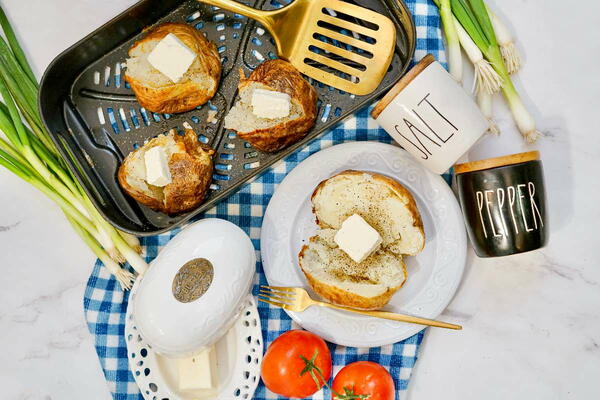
pixel 394 316
pixel 264 17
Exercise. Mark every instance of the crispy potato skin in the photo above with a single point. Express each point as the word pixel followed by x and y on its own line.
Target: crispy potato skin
pixel 282 76
pixel 182 96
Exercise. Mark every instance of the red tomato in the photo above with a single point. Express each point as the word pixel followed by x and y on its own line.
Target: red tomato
pixel 365 378
pixel 282 364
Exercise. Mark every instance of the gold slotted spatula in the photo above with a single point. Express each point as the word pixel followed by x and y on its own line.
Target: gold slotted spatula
pixel 304 33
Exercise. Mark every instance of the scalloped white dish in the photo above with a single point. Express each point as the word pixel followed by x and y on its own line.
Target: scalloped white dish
pixel 433 275
pixel 239 355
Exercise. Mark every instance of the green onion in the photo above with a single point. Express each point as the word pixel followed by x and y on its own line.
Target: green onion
pixel 474 18
pixel 132 241
pixel 29 153
pixel 484 101
pixel 124 277
pixel 485 77
pixel 35 159
pixel 509 51
pixel 14 44
pixel 28 175
pixel 454 57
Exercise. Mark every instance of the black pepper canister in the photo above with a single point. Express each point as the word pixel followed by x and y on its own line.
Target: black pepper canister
pixel 503 201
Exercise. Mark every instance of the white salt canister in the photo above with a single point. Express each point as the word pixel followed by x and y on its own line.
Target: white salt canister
pixel 195 289
pixel 431 116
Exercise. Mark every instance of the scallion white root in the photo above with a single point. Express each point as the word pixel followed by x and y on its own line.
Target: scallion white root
pixel 124 277
pixel 132 241
pixel 133 258
pixel 485 77
pixel 455 66
pixel 506 42
pixel 484 100
pixel 131 255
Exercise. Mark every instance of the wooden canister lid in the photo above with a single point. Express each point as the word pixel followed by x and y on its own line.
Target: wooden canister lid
pixel 496 162
pixel 401 84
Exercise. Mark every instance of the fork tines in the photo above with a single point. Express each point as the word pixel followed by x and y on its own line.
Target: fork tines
pixel 277 296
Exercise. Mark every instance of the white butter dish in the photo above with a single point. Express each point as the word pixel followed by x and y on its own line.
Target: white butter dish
pixel 195 289
pixel 238 356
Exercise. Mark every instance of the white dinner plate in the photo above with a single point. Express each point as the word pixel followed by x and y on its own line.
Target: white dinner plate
pixel 433 275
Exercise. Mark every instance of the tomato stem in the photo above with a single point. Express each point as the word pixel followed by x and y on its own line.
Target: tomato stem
pixel 310 367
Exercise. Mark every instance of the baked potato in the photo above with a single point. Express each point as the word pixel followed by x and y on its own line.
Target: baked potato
pixel 190 164
pixel 274 134
pixel 386 206
pixel 155 91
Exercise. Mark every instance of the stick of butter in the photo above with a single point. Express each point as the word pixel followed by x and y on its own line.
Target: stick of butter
pixel 198 372
pixel 157 167
pixel 172 57
pixel 270 104
pixel 357 238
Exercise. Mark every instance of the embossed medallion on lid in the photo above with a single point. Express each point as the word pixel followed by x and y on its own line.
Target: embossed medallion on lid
pixel 192 280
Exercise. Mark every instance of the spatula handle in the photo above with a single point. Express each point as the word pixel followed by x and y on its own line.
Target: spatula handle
pixel 230 5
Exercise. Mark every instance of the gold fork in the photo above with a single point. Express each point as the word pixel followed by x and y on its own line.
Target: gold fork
pixel 298 300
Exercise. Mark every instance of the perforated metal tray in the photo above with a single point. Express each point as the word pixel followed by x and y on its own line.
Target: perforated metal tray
pixel 95 120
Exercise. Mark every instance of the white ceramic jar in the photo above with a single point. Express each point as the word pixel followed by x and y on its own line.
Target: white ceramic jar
pixel 431 116
pixel 194 290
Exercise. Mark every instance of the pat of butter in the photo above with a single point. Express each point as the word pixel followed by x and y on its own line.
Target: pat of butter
pixel 198 372
pixel 172 57
pixel 357 238
pixel 270 104
pixel 157 167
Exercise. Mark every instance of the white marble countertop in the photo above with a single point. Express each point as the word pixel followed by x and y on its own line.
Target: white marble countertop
pixel 531 322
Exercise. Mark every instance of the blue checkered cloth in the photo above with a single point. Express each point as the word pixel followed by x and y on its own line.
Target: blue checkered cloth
pixel 105 303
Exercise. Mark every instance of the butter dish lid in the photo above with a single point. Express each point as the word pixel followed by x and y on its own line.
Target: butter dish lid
pixel 195 288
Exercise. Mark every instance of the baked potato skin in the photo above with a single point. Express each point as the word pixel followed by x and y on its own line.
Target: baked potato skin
pixel 191 172
pixel 281 76
pixel 182 96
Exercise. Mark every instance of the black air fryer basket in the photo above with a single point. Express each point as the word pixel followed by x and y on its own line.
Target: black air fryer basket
pixel 95 120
